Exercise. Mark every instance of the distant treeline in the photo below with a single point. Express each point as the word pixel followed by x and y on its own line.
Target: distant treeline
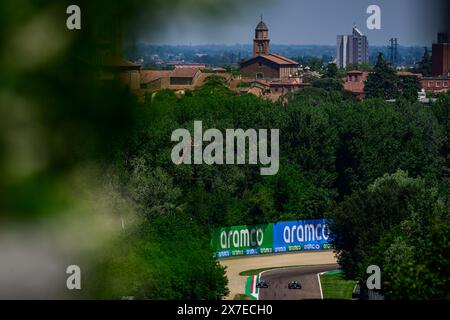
pixel 221 55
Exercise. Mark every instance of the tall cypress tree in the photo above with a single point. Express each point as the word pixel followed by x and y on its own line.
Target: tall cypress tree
pixel 383 82
pixel 424 65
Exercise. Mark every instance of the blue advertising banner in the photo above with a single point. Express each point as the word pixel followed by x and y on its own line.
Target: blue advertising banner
pixel 271 238
pixel 301 235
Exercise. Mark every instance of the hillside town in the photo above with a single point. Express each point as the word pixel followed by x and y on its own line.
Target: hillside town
pixel 270 75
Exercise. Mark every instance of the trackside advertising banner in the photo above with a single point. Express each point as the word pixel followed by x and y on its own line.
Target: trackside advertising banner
pixel 301 235
pixel 271 238
pixel 243 240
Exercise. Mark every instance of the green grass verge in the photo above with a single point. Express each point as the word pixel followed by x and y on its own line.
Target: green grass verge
pixel 254 272
pixel 334 286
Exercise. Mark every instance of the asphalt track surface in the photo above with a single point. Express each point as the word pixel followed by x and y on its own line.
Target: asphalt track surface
pixel 236 282
pixel 278 283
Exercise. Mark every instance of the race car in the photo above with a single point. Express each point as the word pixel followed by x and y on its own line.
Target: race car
pixel 262 285
pixel 294 285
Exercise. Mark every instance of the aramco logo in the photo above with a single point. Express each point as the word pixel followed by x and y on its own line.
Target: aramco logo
pixel 241 238
pixel 305 233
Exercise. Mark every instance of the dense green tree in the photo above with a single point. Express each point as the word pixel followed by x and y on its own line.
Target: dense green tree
pixel 382 82
pixel 329 84
pixel 314 63
pixel 441 109
pixel 314 96
pixel 310 77
pixel 424 65
pixel 400 224
pixel 168 258
pixel 331 71
pixel 409 87
pixel 361 220
pixel 330 148
pixel 365 66
pixel 398 136
pixel 286 196
pixel 414 256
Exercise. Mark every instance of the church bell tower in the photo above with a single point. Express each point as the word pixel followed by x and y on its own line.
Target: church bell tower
pixel 261 41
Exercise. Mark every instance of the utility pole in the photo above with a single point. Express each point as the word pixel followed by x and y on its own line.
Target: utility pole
pixel 393 51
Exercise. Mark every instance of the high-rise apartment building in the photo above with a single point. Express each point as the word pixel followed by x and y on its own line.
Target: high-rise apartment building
pixel 352 49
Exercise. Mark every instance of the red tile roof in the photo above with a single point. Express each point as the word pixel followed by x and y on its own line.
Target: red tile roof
pixel 279 59
pixel 283 58
pixel 355 72
pixel 115 61
pixel 276 58
pixel 152 75
pixel 407 73
pixel 285 81
pixel 185 72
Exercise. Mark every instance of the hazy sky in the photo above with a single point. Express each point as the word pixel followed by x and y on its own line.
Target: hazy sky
pixel 413 22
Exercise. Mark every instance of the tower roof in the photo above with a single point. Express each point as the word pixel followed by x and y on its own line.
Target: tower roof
pixel 356 31
pixel 262 26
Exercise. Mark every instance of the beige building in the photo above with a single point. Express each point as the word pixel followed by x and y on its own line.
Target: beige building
pixel 177 79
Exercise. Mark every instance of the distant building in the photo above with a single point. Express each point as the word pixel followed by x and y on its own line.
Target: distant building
pixel 114 68
pixel 269 66
pixel 272 89
pixel 181 65
pixel 354 83
pixel 179 79
pixel 107 62
pixel 441 56
pixel 266 65
pixel 154 80
pixel 352 49
pixel 184 76
pixel 435 84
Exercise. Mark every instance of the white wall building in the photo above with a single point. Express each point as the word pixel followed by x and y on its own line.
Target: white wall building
pixel 352 49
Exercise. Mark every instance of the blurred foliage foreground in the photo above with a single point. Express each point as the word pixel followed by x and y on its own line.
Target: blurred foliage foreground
pixel 62 136
pixel 86 175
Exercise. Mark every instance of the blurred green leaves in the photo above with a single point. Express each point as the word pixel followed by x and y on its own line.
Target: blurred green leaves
pixel 63 148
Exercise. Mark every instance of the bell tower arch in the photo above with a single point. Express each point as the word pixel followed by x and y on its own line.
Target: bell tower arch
pixel 261 41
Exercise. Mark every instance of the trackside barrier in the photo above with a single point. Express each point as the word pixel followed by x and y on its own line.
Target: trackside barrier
pixel 280 237
pixel 250 287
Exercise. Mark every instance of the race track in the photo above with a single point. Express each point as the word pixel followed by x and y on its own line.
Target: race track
pixel 278 283
pixel 236 283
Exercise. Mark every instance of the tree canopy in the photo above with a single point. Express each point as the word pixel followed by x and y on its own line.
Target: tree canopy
pixel 371 165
